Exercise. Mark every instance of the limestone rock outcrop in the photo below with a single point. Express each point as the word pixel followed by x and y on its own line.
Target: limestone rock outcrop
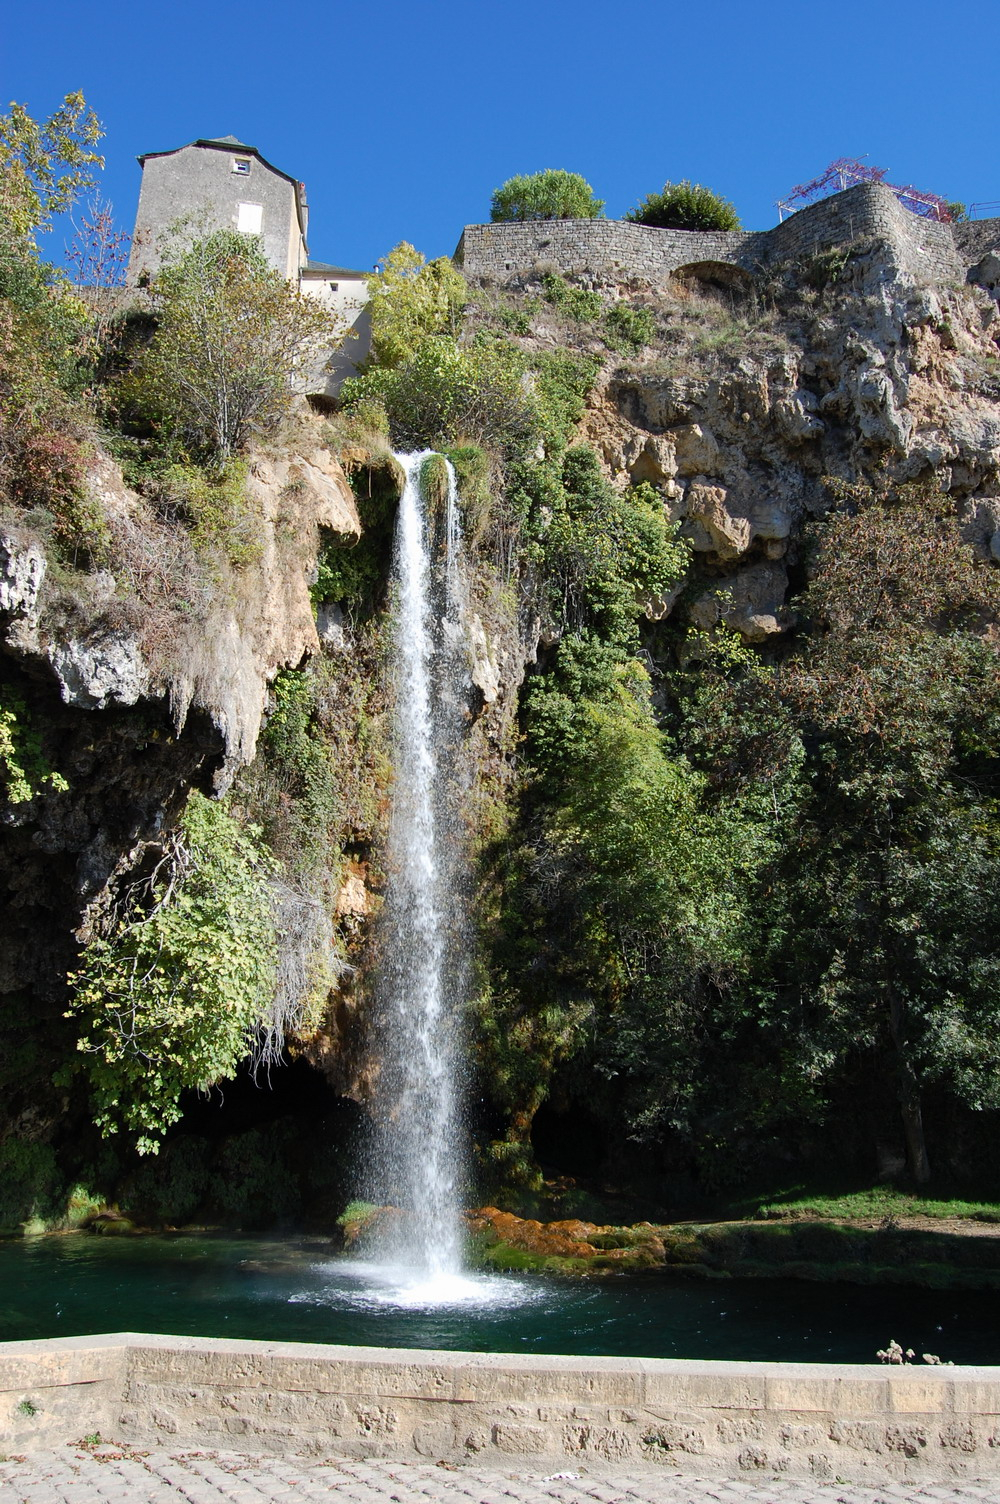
pixel 139 680
pixel 751 602
pixel 710 527
pixel 892 372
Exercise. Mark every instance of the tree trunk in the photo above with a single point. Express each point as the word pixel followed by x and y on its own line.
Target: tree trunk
pixel 908 1092
pixel 913 1129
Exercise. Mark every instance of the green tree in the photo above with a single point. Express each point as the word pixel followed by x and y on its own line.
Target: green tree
pixel 231 334
pixel 685 206
pixel 46 165
pixel 878 943
pixel 552 194
pixel 597 889
pixel 600 554
pixel 43 325
pixel 619 912
pixel 411 298
pixel 169 999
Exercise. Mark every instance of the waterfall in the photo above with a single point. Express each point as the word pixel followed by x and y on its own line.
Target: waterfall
pixel 419 1155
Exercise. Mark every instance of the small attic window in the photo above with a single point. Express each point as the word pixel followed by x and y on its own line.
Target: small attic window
pixel 241 165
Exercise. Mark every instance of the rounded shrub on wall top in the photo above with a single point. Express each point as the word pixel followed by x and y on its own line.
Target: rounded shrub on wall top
pixel 552 194
pixel 685 206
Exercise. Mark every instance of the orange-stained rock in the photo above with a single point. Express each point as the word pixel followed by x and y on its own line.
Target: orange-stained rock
pixel 550 1239
pixel 573 1228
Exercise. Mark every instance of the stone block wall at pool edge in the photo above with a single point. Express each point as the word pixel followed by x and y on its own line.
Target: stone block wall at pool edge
pixel 856 1422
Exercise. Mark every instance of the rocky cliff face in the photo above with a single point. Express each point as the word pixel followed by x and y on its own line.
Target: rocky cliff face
pixel 135 682
pixel 843 366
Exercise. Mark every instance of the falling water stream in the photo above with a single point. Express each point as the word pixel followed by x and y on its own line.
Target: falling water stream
pixel 419 1152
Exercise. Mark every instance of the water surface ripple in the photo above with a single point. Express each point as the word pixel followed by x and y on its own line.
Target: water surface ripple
pixel 297 1290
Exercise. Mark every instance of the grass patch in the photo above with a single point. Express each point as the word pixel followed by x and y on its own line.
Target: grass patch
pixel 876 1202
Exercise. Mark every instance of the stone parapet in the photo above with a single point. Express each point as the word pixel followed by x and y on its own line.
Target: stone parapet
pixel 501 251
pixel 920 249
pixel 864 1423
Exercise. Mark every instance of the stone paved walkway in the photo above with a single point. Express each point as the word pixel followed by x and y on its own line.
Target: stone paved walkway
pixel 109 1475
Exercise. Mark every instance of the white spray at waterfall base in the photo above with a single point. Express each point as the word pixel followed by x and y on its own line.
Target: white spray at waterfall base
pixel 419 1157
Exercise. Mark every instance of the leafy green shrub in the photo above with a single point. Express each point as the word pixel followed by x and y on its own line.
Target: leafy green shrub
pixel 685 206
pixel 170 997
pixel 24 771
pixel 561 384
pixel 517 320
pixel 473 474
pixel 411 298
pixel 344 574
pixel 578 302
pixel 628 328
pixel 600 552
pixel 593 956
pixel 254 1181
pixel 298 756
pixel 354 576
pixel 213 501
pixel 825 268
pixel 445 392
pixel 552 194
pixel 173 1188
pixel 31 1183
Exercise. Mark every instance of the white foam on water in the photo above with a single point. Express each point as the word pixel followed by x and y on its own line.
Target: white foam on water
pixel 360 1284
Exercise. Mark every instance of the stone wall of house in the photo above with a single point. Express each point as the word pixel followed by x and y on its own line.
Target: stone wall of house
pixel 920 248
pixel 197 184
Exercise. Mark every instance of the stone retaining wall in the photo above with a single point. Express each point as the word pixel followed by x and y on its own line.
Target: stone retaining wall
pixel 505 250
pixel 921 248
pixel 815 1420
pixel 976 238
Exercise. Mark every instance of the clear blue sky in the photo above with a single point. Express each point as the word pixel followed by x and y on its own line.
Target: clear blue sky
pixel 402 118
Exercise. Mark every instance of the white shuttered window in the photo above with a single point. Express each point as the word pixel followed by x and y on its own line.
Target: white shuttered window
pixel 249 218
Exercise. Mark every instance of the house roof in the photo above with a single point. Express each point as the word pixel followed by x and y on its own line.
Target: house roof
pixel 233 143
pixel 324 269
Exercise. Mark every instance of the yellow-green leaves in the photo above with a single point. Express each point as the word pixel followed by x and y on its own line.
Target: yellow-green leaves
pixel 45 165
pixel 411 298
pixel 24 771
pixel 169 998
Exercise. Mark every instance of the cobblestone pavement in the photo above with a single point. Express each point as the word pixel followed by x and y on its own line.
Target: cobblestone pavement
pixel 111 1475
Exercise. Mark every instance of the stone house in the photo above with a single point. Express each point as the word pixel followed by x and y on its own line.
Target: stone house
pixel 222 183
